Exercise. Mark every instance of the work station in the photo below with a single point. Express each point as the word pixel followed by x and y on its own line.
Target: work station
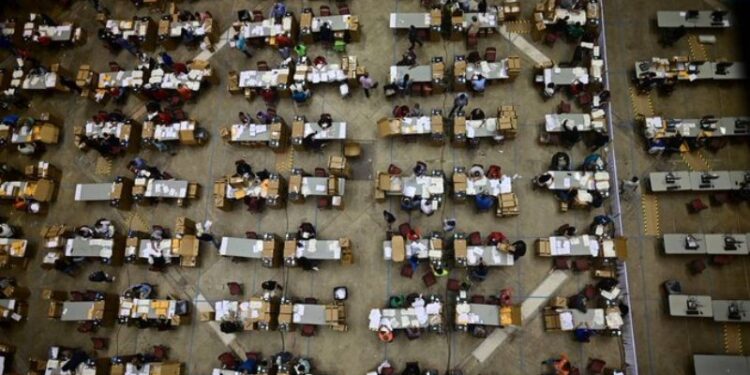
pixel 703 306
pixel 475 314
pixel 308 134
pixel 267 247
pixel 149 189
pixel 36 30
pixel 711 244
pixel 13 252
pixel 587 186
pixel 256 192
pixel 255 314
pixel 420 188
pixel 98 241
pixel 413 314
pixel 274 135
pixel 13 302
pixel 183 26
pixel 260 31
pixel 296 247
pixel 411 126
pixel 117 193
pixel 158 249
pixel 408 244
pixel 308 314
pixel 343 28
pixel 324 186
pixel 470 250
pixel 694 181
pixel 486 189
pixel 468 130
pixel 32 191
pixel 151 312
pixel 30 133
pixel 87 308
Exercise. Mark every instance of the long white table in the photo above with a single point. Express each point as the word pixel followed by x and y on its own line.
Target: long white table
pixel 411 317
pixel 164 188
pixel 658 127
pixel 590 181
pixel 318 249
pixel 421 248
pixel 406 20
pixel 268 78
pixel 721 310
pixel 266 28
pixel 484 185
pixel 419 73
pixel 304 313
pixel 89 247
pixel 699 181
pixel 318 186
pixel 76 311
pixel 714 244
pixel 490 255
pixel 410 186
pixel 553 123
pixel 94 192
pixel 678 306
pixel 477 314
pixel 721 364
pixel 678 18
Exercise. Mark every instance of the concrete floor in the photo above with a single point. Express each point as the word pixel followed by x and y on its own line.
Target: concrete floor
pixel 660 340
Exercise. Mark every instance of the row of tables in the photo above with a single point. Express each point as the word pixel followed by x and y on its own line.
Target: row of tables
pixel 701 306
pixel 713 244
pixel 699 181
pixel 657 127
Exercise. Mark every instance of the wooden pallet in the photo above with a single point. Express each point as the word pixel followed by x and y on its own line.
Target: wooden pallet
pixel 732 339
pixel 103 166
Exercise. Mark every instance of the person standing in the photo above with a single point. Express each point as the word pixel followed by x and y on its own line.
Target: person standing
pixel 414 37
pixel 629 187
pixel 461 101
pixel 367 84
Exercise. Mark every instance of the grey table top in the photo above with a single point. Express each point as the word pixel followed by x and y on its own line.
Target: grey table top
pixel 61 33
pixel 724 127
pixel 319 249
pixel 739 179
pixel 719 181
pixel 721 364
pixel 678 305
pixel 166 188
pixel 674 243
pixel 265 28
pixel 574 246
pixel 146 249
pixel 94 130
pixel 39 82
pixel 565 76
pixel 337 131
pixel 479 314
pixel 486 20
pixel 486 128
pixel 677 18
pixel 250 133
pixel 489 70
pixel 419 73
pixel 405 20
pixel 318 186
pixel 89 247
pixel 715 244
pixel 93 192
pixel 736 71
pixel 76 310
pixel 490 255
pixel 565 180
pixel 303 313
pixel 338 23
pixel 9 304
pixel 407 317
pixel 553 122
pixel 241 247
pixel 721 310
pixel 259 79
pixel 420 247
pixel 658 181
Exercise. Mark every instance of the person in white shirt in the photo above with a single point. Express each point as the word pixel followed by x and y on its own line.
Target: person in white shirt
pixel 425 205
pixel 6 231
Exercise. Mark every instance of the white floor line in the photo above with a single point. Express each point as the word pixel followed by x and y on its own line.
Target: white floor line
pixel 529 308
pixel 525 46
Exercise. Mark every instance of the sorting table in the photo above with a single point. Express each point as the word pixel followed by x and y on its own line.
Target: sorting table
pixel 82 311
pixel 89 247
pixel 406 20
pixel 419 73
pixel 703 19
pixel 678 306
pixel 480 314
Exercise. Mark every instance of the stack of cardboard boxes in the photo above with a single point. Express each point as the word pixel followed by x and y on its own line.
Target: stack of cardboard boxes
pixel 347 257
pixel 514 66
pixel 507 205
pixel 338 166
pixel 508 121
pixel 511 9
pixel 185 243
pixel 84 79
pixel 459 183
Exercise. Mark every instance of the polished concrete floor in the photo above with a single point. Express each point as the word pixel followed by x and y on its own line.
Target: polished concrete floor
pixel 663 344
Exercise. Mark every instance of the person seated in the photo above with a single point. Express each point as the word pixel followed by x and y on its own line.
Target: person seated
pixel 476 172
pixel 85 231
pixel 326 121
pixel 420 168
pixel 408 59
pixel 480 271
pixel 478 83
pixel 518 249
pixel 483 202
pixel 306 231
pixel 426 206
pixel 244 119
pixel 103 228
pixel 401 111
pixel 477 114
pixel 244 169
pixel 416 111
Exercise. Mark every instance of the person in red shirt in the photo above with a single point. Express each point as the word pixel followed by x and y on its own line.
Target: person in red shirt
pixel 184 92
pixel 43 40
pixel 283 40
pixel 165 118
pixel 179 68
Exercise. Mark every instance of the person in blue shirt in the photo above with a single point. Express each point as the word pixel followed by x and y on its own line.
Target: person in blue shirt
pixel 483 202
pixel 167 60
pixel 278 11
pixel 11 119
pixel 301 95
pixel 478 83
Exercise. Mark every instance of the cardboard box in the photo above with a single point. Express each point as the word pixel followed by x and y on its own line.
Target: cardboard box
pixel 305 20
pixel 333 186
pixel 399 249
pixel 543 247
pixel 184 226
pixel 459 182
pixel 438 70
pixel 436 123
pixel 383 181
pixel 298 129
pixel 459 125
pixel 189 246
pixel 55 309
pixel 388 127
pixel 290 249
pixel 558 302
pixel 148 130
pixel 459 247
pixel 43 190
pixel 459 68
pixel 295 183
pixel 436 17
pixel 344 242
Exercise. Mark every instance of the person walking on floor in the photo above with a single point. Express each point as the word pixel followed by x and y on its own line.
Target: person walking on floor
pixel 461 101
pixel 101 277
pixel 414 37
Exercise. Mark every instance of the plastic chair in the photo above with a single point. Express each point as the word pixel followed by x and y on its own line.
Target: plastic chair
pixel 253 355
pixel 307 330
pixel 86 327
pixel 696 205
pixel 324 202
pixel 339 46
pixel 228 360
pixel 453 285
pixel 404 230
pixel 494 172
pixel 490 54
pixel 344 9
pixel 407 270
pixel 696 266
pixel 263 66
pixel 427 89
pixel 595 366
pixel 475 239
pixel 561 263
pixel 321 172
pixel 325 11
pixel 251 235
pixel 311 300
pixel 581 265
pixel 721 260
pixel 257 16
pixel 477 298
pixel 429 279
pixel 235 288
pixel 563 107
pixel 100 343
pixel 160 352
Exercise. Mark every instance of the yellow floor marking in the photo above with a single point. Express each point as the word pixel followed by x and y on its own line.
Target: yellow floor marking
pixel 651 218
pixel 732 339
